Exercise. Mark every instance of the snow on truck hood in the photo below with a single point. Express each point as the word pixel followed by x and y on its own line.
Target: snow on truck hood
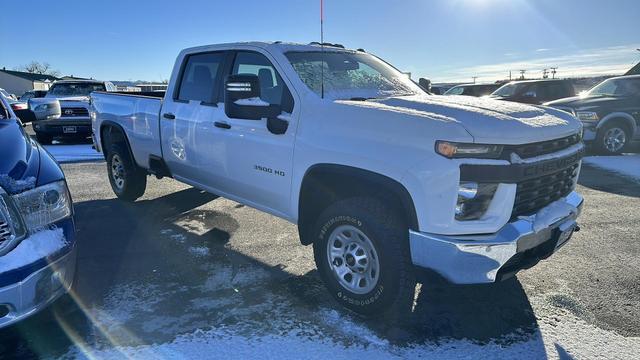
pixel 486 120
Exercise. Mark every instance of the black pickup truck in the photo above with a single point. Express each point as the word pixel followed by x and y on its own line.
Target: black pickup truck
pixel 610 113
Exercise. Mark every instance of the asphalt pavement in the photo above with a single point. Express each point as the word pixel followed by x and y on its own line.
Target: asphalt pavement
pixel 179 260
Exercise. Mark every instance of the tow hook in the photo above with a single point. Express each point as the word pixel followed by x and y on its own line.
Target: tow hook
pixel 576 228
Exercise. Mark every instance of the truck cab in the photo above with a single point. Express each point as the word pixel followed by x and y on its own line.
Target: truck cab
pixel 382 178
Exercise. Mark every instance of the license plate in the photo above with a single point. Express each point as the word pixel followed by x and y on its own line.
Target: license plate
pixel 565 235
pixel 69 129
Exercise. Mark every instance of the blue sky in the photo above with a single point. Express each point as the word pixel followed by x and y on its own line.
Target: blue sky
pixel 444 40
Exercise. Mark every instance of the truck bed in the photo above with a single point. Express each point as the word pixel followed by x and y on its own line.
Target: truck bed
pixel 138 113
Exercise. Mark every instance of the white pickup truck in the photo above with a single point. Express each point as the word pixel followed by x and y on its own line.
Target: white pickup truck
pixel 381 177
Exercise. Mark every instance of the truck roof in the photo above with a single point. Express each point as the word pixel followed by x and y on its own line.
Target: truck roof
pixel 276 46
pixel 79 81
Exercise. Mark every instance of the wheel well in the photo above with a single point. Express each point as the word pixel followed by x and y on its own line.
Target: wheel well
pixel 327 183
pixel 113 134
pixel 626 123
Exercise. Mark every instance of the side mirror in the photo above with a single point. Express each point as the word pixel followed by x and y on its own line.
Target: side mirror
pixel 425 84
pixel 26 115
pixel 242 99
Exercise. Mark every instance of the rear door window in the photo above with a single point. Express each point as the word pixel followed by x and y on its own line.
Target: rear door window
pixel 200 77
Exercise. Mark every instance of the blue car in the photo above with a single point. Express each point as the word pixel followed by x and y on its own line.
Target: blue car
pixel 37 232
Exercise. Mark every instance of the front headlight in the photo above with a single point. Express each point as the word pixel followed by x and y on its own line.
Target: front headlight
pixel 44 205
pixel 463 150
pixel 42 108
pixel 587 116
pixel 474 199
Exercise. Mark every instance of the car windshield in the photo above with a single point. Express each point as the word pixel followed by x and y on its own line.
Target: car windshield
pixel 616 87
pixel 350 75
pixel 507 90
pixel 75 89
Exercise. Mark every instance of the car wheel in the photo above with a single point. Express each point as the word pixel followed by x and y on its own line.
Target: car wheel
pixel 128 181
pixel 361 250
pixel 613 139
pixel 44 139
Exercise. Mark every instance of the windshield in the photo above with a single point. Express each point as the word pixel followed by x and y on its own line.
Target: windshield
pixel 616 87
pixel 75 89
pixel 350 75
pixel 507 90
pixel 5 93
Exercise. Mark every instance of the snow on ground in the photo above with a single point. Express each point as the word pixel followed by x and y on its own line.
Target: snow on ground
pixel 626 165
pixel 269 328
pixel 32 249
pixel 73 153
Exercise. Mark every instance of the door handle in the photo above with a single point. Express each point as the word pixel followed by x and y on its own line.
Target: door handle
pixel 169 116
pixel 222 125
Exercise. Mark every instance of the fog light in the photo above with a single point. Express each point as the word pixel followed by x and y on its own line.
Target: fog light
pixel 474 199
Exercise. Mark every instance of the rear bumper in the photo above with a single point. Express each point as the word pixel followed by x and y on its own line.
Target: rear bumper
pixel 474 259
pixel 38 290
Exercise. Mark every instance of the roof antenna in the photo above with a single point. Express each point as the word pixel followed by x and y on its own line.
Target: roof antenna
pixel 322 49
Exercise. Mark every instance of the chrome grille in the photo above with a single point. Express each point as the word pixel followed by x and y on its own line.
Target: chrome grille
pixel 534 194
pixel 74 111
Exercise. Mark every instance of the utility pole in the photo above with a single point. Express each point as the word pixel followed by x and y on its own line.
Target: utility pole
pixel 509 75
pixel 553 72
pixel 474 79
pixel 522 74
pixel 545 73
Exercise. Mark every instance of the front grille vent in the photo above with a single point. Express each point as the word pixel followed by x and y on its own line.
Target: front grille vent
pixel 74 111
pixel 534 194
pixel 542 148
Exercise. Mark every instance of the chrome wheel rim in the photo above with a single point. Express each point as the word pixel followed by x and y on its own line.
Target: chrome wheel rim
pixel 615 139
pixel 117 171
pixel 353 259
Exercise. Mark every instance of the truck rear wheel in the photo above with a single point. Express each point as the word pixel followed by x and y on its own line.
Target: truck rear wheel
pixel 128 181
pixel 361 250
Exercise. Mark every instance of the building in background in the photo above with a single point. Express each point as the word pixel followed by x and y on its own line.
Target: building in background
pixel 148 87
pixel 19 82
pixel 128 88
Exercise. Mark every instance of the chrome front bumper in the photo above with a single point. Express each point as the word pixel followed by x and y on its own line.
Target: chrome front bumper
pixel 37 291
pixel 474 259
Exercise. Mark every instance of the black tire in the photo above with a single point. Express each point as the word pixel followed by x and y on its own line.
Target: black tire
pixel 395 284
pixel 44 139
pixel 603 142
pixel 127 180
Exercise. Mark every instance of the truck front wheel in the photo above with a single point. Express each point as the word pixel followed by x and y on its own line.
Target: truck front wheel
pixel 127 180
pixel 362 254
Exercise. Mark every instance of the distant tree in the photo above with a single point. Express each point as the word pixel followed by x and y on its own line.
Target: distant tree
pixel 36 67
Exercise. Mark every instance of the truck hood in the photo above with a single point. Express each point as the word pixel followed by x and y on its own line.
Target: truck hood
pixel 487 120
pixel 69 98
pixel 20 161
pixel 584 101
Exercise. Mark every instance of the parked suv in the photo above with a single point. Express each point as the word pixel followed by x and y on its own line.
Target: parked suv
pixel 534 91
pixel 74 121
pixel 610 113
pixel 37 233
